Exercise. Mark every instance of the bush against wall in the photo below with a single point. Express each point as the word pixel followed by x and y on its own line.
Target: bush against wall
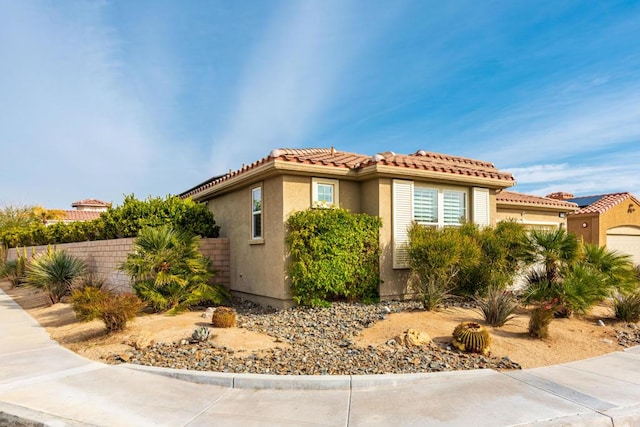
pixel 502 257
pixel 436 256
pixel 334 255
pixel 119 222
pixel 169 273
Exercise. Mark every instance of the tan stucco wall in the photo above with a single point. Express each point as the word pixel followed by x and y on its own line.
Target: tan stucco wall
pixel 531 216
pixel 256 269
pixel 598 224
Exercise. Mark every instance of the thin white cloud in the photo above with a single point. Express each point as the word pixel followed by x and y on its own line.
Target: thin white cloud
pixel 287 83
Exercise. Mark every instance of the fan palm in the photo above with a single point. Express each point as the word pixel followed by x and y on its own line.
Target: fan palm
pixel 616 267
pixel 555 249
pixel 55 271
pixel 169 272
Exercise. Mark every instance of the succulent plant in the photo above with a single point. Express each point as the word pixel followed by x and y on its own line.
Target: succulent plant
pixel 471 337
pixel 224 317
pixel 201 334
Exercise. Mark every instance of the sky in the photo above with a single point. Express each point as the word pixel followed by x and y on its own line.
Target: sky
pixel 99 99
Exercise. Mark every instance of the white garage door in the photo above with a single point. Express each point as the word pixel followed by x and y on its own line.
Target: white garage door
pixel 625 240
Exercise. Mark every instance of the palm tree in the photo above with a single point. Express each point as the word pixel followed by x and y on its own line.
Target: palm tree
pixel 554 249
pixel 169 272
pixel 55 271
pixel 617 268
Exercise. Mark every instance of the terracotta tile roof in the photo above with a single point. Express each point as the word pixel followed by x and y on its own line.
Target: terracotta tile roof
pixel 528 199
pixel 91 202
pixel 600 203
pixel 80 215
pixel 421 160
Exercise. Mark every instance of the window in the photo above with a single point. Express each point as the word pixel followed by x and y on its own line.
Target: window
pixel 427 205
pixel 439 207
pixel 324 193
pixel 256 213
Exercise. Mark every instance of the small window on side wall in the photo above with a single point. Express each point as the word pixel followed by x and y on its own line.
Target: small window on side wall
pixel 256 213
pixel 324 193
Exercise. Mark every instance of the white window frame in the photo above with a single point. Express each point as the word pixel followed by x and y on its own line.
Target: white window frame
pixel 318 182
pixel 403 212
pixel 440 191
pixel 254 212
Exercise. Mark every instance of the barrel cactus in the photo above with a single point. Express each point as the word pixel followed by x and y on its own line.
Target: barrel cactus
pixel 224 317
pixel 471 337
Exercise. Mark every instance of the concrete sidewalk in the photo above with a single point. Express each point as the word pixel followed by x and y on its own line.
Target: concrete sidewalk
pixel 42 383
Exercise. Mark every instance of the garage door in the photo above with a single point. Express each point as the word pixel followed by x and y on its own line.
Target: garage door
pixel 625 240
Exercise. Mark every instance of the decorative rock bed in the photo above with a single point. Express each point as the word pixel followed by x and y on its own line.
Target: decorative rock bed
pixel 320 342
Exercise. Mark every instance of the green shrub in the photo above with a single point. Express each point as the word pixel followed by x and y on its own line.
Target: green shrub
pixel 627 306
pixel 123 221
pixel 334 255
pixel 55 272
pixel 497 307
pixel 502 249
pixel 168 271
pixel 436 256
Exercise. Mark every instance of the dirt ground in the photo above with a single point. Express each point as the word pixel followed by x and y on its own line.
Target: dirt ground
pixel 570 339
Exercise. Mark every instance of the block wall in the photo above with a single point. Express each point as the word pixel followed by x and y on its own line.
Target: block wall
pixel 103 257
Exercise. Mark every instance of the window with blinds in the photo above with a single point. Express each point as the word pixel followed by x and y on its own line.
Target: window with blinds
pixel 454 207
pixel 425 205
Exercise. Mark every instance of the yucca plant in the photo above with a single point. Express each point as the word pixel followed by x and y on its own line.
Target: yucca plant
pixel 627 306
pixel 498 306
pixel 168 271
pixel 55 272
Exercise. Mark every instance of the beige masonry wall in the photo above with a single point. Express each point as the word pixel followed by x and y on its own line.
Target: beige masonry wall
pixel 103 257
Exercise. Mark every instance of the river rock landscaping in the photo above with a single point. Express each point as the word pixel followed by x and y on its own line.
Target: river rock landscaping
pixel 316 341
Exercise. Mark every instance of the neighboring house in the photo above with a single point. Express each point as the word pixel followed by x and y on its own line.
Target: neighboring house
pixel 611 220
pixel 533 211
pixel 86 210
pixel 252 206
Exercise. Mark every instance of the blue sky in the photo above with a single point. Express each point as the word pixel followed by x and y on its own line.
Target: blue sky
pixel 104 98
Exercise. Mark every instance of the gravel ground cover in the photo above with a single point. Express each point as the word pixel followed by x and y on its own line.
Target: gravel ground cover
pixel 316 341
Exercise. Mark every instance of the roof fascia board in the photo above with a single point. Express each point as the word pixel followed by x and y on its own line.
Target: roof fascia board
pixel 506 204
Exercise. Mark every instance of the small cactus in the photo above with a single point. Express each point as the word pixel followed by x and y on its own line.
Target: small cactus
pixel 201 334
pixel 472 337
pixel 224 317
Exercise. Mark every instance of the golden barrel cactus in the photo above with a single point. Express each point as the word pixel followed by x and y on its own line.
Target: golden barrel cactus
pixel 471 337
pixel 224 317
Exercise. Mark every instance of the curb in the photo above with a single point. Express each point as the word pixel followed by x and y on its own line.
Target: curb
pixel 306 382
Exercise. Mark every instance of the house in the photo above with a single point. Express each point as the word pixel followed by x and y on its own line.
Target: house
pixel 252 205
pixel 611 220
pixel 533 211
pixel 86 210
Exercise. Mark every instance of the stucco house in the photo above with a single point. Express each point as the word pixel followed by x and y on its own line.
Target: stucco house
pixel 611 220
pixel 85 210
pixel 253 203
pixel 534 212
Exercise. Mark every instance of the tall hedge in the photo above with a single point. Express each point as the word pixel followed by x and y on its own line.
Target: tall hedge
pixel 334 255
pixel 125 220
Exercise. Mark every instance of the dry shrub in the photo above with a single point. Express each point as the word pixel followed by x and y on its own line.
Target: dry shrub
pixel 224 317
pixel 115 310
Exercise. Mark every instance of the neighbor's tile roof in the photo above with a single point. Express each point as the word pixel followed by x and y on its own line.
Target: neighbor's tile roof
pixel 421 160
pixel 91 202
pixel 600 203
pixel 528 199
pixel 80 215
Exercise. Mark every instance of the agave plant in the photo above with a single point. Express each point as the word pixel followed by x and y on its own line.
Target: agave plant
pixel 168 271
pixel 55 272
